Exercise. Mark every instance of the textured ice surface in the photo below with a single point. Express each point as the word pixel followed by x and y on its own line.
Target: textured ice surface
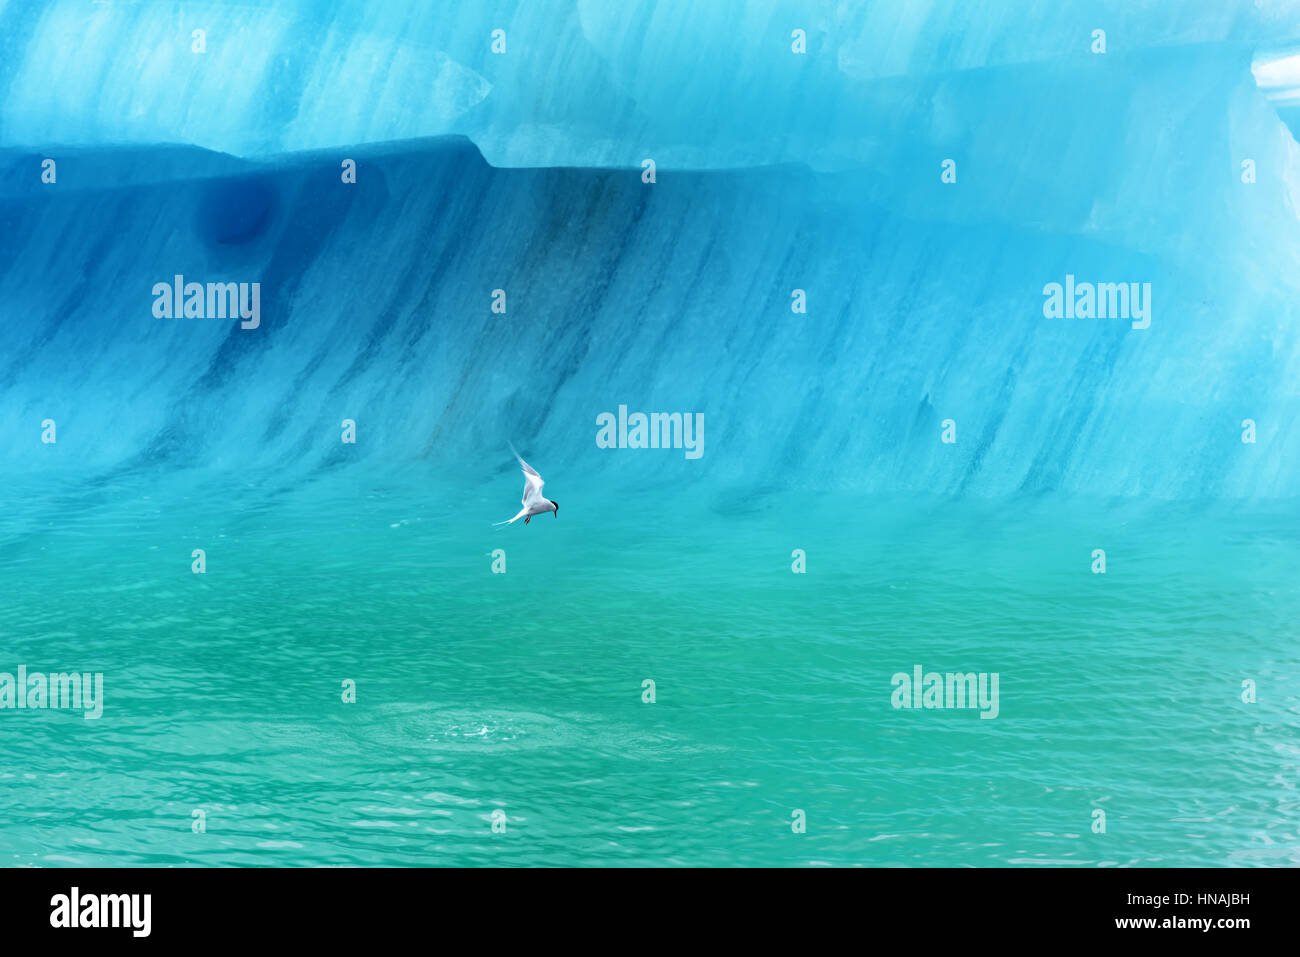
pixel 925 299
pixel 583 82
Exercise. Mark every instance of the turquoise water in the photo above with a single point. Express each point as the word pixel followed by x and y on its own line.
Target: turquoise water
pixel 522 691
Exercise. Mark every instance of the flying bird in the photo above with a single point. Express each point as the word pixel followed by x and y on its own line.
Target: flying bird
pixel 534 503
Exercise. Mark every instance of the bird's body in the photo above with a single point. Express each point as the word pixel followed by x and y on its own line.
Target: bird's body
pixel 533 501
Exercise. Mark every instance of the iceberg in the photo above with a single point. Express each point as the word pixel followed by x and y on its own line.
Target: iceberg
pixel 832 229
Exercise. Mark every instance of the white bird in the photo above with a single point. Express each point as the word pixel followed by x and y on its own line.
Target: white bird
pixel 534 503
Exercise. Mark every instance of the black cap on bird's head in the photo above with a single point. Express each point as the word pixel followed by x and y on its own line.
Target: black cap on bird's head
pixel 557 507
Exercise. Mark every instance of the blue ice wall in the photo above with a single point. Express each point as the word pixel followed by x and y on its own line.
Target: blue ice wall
pixel 925 298
pixel 582 82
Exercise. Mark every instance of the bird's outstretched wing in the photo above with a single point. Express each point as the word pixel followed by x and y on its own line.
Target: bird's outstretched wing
pixel 532 481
